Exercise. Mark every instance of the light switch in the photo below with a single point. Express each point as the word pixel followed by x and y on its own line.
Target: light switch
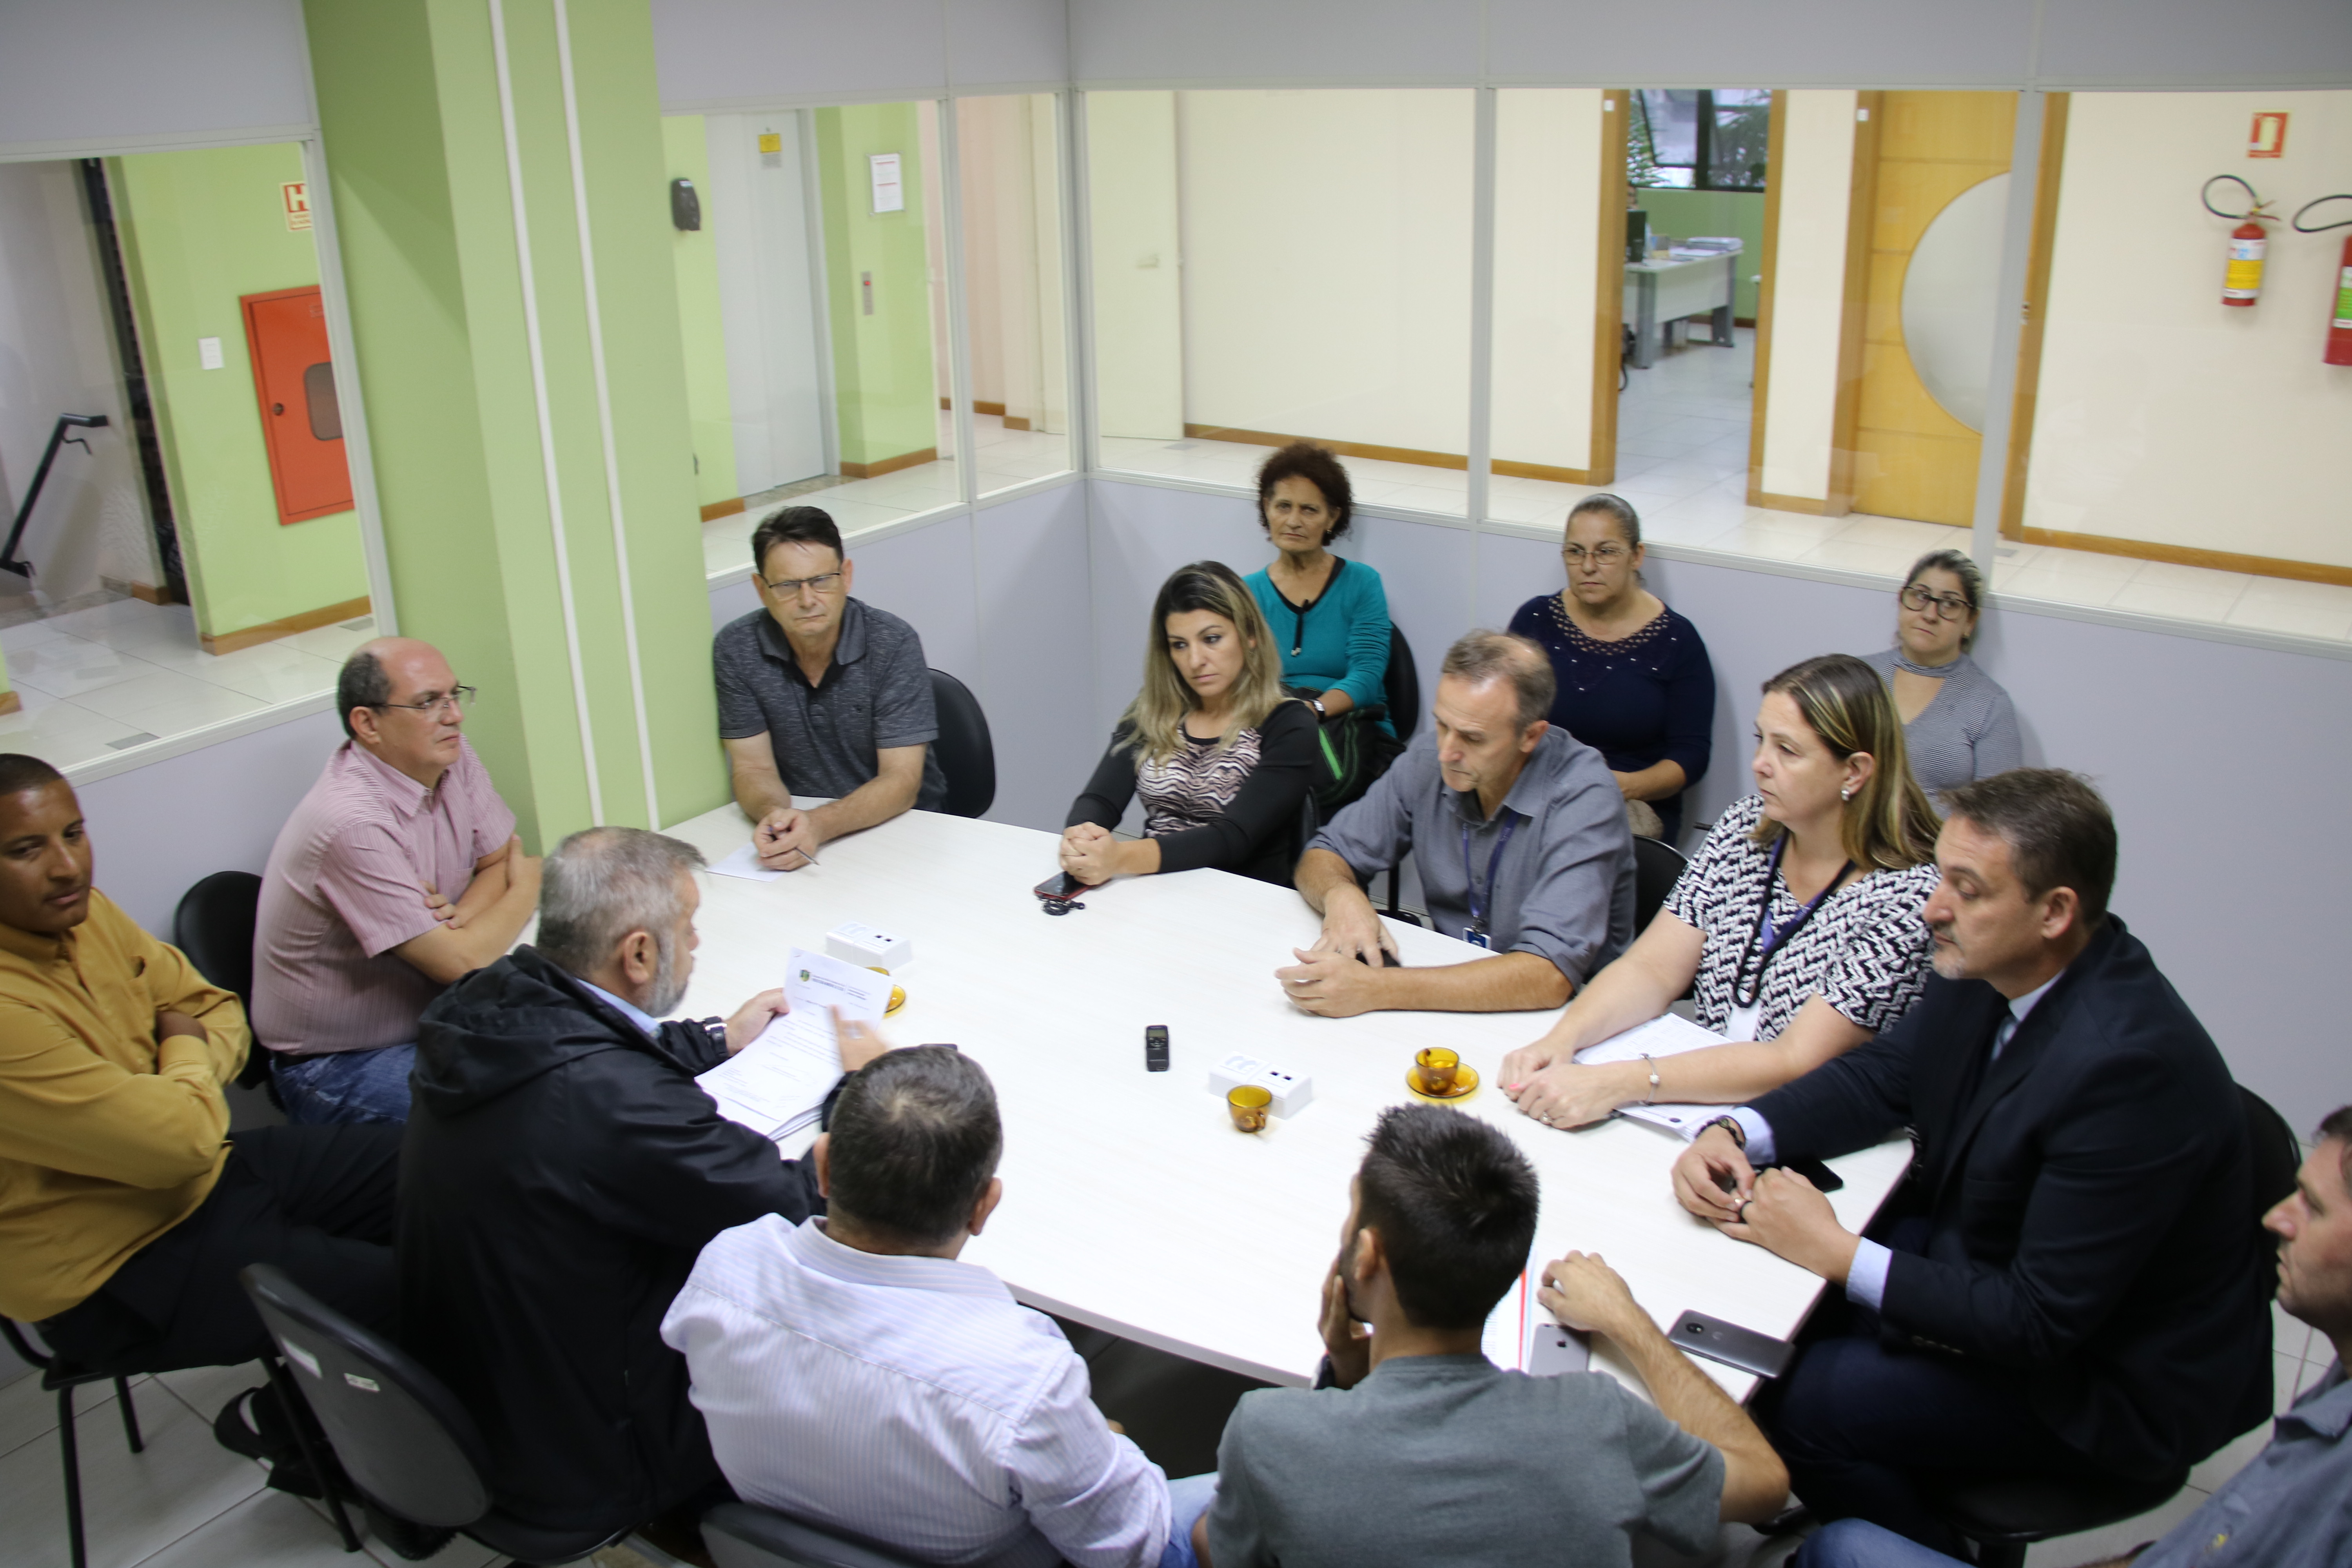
pixel 208 353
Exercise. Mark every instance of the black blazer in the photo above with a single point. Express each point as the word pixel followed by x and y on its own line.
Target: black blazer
pixel 2089 1198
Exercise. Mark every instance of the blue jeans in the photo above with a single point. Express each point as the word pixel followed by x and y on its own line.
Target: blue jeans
pixel 345 1086
pixel 1188 1500
pixel 1858 1543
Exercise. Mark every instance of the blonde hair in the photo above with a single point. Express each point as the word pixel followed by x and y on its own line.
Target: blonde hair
pixel 1156 714
pixel 1888 825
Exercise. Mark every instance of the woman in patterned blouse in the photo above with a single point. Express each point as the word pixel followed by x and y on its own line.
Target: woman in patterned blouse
pixel 1799 923
pixel 1221 757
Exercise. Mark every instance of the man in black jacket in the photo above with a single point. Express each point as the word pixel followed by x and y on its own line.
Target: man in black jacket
pixel 563 1172
pixel 2076 1290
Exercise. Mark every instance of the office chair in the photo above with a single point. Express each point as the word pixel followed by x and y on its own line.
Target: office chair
pixel 215 927
pixel 62 1377
pixel 741 1535
pixel 966 754
pixel 406 1443
pixel 1657 866
pixel 1402 686
pixel 2004 1517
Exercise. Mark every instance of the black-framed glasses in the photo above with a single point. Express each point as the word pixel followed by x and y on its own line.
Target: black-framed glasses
pixel 457 699
pixel 1947 606
pixel 1607 555
pixel 787 587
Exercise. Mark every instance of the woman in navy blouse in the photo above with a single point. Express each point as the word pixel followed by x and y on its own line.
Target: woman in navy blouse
pixel 1635 683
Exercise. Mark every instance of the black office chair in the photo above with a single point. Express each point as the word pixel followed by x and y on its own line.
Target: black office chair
pixel 2004 1517
pixel 62 1377
pixel 1657 866
pixel 1402 686
pixel 406 1443
pixel 742 1536
pixel 966 754
pixel 213 926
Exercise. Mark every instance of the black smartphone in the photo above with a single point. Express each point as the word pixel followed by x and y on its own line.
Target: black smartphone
pixel 1061 885
pixel 1823 1179
pixel 1731 1344
pixel 1557 1349
pixel 1155 1048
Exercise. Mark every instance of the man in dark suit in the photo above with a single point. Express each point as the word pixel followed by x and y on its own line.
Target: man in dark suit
pixel 2072 1286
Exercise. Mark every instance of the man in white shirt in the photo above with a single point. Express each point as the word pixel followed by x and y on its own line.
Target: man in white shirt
pixel 854 1376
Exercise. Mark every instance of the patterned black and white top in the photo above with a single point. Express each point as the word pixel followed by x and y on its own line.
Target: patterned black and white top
pixel 1866 950
pixel 1237 809
pixel 1193 788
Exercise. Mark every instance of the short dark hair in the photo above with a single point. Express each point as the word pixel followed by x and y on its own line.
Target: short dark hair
pixel 1315 464
pixel 794 525
pixel 2058 828
pixel 2338 1128
pixel 363 683
pixel 19 772
pixel 1454 1204
pixel 915 1138
pixel 1482 655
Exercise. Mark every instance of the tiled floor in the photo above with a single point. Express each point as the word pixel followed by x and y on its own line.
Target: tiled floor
pixel 1007 458
pixel 99 681
pixel 186 1502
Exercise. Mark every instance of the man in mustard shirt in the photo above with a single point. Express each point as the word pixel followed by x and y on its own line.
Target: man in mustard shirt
pixel 125 1210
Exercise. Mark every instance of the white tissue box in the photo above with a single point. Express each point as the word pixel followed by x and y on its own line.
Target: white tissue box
pixel 1292 1093
pixel 868 947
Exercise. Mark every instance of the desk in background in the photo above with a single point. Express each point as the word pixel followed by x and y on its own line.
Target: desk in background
pixel 1659 293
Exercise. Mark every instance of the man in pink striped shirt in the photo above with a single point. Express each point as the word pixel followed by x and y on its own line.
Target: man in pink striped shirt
pixel 397 874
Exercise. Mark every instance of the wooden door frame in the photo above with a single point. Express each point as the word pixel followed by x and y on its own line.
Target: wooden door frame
pixel 2025 400
pixel 1609 287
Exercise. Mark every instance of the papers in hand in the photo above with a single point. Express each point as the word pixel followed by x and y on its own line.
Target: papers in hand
pixel 776 1084
pixel 745 863
pixel 1667 1035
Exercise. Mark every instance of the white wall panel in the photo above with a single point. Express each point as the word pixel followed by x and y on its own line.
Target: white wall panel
pixel 1816 180
pixel 1037 672
pixel 113 74
pixel 924 578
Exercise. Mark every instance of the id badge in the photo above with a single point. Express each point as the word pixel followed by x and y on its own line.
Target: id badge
pixel 1475 937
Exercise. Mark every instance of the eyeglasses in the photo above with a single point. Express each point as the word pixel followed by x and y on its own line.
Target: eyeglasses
pixel 1607 555
pixel 1949 606
pixel 787 587
pixel 457 701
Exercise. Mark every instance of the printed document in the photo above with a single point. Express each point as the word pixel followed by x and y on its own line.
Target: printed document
pixel 1667 1035
pixel 777 1084
pixel 745 863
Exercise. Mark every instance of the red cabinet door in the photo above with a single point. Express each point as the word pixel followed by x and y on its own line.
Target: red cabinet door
pixel 300 419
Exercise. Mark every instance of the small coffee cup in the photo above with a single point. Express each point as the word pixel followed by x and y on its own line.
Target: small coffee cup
pixel 1246 1103
pixel 1434 1069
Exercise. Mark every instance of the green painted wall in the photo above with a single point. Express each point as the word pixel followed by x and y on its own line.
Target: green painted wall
pixel 1682 214
pixel 199 230
pixel 882 380
pixel 695 254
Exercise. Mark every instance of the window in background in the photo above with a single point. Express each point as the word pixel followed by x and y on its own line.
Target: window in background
pixel 1009 156
pixel 1275 264
pixel 1708 139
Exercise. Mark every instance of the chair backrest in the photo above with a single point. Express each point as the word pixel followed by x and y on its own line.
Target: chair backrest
pixel 741 1535
pixel 400 1433
pixel 967 755
pixel 213 926
pixel 1402 686
pixel 2277 1156
pixel 1656 866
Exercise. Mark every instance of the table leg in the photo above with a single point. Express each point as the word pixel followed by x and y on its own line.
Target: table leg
pixel 1722 326
pixel 1645 321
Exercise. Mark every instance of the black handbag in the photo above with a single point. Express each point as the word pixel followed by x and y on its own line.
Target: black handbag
pixel 1351 750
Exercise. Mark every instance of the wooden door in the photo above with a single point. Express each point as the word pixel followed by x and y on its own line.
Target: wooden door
pixel 1912 458
pixel 301 420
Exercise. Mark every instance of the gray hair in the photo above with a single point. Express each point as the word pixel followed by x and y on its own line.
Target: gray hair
pixel 1618 509
pixel 363 683
pixel 916 1136
pixel 1960 566
pixel 603 883
pixel 1483 656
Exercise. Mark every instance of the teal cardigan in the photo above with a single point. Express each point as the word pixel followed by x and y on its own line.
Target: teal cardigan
pixel 1340 640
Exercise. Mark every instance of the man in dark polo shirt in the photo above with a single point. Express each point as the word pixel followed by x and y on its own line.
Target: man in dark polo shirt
pixel 819 694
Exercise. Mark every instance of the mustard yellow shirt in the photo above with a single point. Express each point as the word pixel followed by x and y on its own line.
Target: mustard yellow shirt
pixel 107 1138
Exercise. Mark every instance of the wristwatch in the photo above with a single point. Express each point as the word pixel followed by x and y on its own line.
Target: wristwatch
pixel 1316 703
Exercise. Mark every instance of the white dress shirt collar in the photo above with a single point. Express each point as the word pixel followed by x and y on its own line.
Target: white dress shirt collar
pixel 816 1250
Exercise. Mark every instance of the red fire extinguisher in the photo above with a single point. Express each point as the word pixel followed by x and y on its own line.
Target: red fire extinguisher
pixel 2242 281
pixel 2339 324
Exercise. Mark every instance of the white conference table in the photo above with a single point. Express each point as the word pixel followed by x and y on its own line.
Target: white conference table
pixel 1131 1202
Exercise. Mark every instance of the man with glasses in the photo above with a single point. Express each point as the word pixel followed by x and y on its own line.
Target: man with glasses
pixel 821 695
pixel 397 874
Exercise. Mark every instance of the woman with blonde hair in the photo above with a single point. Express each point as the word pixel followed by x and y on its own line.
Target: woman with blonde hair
pixel 1799 923
pixel 1221 757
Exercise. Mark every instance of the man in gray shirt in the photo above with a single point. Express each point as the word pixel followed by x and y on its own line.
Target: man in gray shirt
pixel 2291 1507
pixel 1413 1448
pixel 819 694
pixel 1522 847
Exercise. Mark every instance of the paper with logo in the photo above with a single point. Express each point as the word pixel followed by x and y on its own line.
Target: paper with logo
pixel 1667 1035
pixel 776 1084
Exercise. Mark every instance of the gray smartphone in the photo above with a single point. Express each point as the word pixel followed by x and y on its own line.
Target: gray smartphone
pixel 1556 1350
pixel 1731 1344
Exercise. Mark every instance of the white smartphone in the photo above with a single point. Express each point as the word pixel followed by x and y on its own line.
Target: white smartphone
pixel 1553 1349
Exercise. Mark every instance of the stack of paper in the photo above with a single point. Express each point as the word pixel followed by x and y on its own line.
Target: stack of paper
pixel 1669 1034
pixel 776 1085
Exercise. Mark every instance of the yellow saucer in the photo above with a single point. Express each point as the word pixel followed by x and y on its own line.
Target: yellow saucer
pixel 1465 1084
pixel 897 993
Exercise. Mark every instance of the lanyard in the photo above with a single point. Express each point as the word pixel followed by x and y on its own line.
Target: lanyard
pixel 1768 937
pixel 1477 914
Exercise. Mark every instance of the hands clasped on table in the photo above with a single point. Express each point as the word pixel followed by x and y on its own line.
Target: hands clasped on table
pixel 1545 1082
pixel 1777 1209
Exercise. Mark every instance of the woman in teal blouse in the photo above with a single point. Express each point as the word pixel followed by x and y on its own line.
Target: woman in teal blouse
pixel 1329 615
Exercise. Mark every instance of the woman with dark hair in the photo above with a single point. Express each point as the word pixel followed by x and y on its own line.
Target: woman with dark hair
pixel 1635 683
pixel 1221 757
pixel 1959 722
pixel 1329 615
pixel 1798 925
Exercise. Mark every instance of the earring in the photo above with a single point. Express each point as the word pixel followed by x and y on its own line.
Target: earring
pixel 1846 794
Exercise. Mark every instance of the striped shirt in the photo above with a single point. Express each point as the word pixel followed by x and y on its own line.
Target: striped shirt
pixel 910 1401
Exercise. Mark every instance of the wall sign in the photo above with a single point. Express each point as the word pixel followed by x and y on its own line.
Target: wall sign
pixel 889 195
pixel 2269 137
pixel 296 195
